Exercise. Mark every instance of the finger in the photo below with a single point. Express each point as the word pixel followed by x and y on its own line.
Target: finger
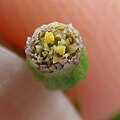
pixel 99 24
pixel 24 98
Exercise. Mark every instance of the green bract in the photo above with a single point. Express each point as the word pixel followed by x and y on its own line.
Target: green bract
pixel 65 78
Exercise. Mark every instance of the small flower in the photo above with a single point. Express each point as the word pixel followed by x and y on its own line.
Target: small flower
pixel 61 50
pixel 49 38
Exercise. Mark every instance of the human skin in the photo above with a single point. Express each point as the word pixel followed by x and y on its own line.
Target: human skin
pixel 24 98
pixel 99 24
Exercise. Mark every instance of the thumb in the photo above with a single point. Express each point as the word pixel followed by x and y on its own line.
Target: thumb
pixel 24 98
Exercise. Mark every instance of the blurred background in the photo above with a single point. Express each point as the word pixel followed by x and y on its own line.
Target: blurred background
pixel 99 24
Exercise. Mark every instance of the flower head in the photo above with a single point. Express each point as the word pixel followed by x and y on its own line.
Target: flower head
pixel 54 48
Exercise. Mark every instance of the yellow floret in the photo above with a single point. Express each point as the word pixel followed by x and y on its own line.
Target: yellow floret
pixel 61 50
pixel 49 38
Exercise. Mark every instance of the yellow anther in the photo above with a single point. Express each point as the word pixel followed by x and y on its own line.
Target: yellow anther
pixel 61 50
pixel 49 38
